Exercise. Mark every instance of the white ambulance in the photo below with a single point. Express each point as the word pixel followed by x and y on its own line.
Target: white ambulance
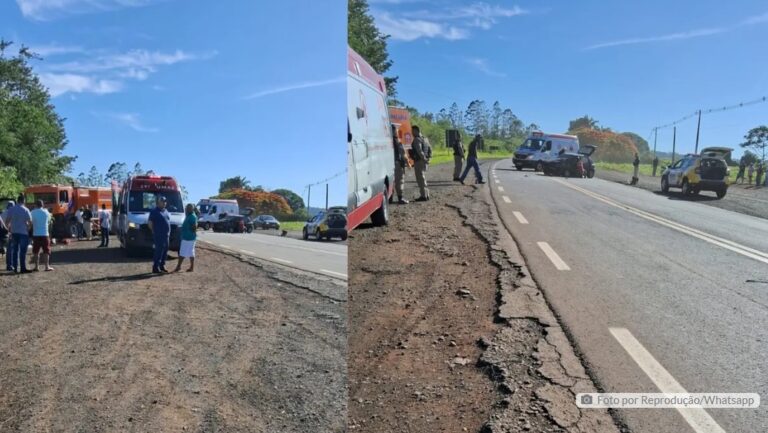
pixel 540 147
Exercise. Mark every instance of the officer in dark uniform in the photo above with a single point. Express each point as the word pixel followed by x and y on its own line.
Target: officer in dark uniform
pixel 472 160
pixel 400 164
pixel 420 149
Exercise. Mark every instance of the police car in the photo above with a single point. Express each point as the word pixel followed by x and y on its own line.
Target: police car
pixel 695 173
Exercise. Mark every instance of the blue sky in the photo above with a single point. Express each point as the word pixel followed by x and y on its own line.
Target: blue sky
pixel 630 65
pixel 197 89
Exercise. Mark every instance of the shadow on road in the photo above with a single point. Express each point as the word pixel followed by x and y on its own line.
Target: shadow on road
pixel 136 277
pixel 680 196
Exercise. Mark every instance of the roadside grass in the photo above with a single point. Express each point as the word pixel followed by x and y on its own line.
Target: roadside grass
pixel 445 155
pixel 292 226
pixel 645 169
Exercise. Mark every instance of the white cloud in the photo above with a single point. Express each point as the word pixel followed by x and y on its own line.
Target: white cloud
pixel 405 29
pixel 756 19
pixel 134 59
pixel 481 15
pixel 59 84
pixel 295 86
pixel 131 120
pixel 50 9
pixel 661 38
pixel 482 66
pixel 48 50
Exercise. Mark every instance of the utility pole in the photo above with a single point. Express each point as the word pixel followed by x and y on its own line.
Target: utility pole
pixel 674 137
pixel 309 194
pixel 698 126
pixel 326 197
pixel 655 136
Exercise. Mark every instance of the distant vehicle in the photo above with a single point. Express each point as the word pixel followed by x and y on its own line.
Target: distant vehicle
pixel 327 224
pixel 136 199
pixel 203 206
pixel 540 147
pixel 371 158
pixel 570 164
pixel 233 224
pixel 695 173
pixel 218 209
pixel 62 201
pixel 266 222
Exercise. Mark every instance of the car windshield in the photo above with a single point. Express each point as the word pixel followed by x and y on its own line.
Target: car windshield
pixel 145 201
pixel 204 208
pixel 532 144
pixel 46 197
pixel 268 218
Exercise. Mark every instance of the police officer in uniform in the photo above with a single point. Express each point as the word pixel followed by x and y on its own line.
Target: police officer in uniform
pixel 420 149
pixel 458 157
pixel 400 164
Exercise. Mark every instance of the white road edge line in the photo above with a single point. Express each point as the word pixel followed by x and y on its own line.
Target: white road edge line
pixel 496 180
pixel 520 218
pixel 506 199
pixel 338 274
pixel 698 418
pixel 553 257
pixel 724 243
pixel 501 189
pixel 280 260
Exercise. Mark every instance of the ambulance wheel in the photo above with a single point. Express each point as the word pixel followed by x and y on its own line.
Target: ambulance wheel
pixel 539 166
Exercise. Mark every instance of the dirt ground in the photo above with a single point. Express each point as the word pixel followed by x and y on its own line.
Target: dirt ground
pixel 101 345
pixel 746 199
pixel 428 349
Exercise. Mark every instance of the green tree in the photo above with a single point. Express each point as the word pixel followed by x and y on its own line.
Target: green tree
pixel 640 143
pixel 117 172
pixel 757 140
pixel 366 39
pixel 294 200
pixel 237 182
pixel 32 136
pixel 10 186
pixel 584 122
pixel 138 170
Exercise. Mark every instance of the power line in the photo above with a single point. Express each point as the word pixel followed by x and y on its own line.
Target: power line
pixel 713 110
pixel 320 182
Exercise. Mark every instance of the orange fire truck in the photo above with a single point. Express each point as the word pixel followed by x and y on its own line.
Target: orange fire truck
pixel 401 118
pixel 62 201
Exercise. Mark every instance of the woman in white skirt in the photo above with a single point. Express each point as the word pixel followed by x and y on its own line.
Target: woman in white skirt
pixel 188 238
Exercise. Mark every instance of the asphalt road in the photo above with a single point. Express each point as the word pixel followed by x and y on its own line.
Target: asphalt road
pixel 327 258
pixel 653 290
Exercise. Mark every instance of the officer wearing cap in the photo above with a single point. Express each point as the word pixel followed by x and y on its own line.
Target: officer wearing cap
pixel 160 224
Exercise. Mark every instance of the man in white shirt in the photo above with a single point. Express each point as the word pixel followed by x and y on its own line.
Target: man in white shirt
pixel 79 218
pixel 105 222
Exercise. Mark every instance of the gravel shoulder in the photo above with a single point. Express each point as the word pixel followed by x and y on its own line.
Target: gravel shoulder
pixel 101 345
pixel 746 199
pixel 448 332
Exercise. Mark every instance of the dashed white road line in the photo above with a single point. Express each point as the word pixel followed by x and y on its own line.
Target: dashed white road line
pixel 338 274
pixel 698 418
pixel 553 257
pixel 506 199
pixel 520 218
pixel 501 189
pixel 280 260
pixel 496 180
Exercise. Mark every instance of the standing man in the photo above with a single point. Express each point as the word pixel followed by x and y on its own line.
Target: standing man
pixel 41 222
pixel 472 160
pixel 87 227
pixel 759 174
pixel 160 224
pixel 400 164
pixel 655 164
pixel 19 221
pixel 742 167
pixel 79 218
pixel 4 217
pixel 188 238
pixel 105 223
pixel 636 172
pixel 420 147
pixel 458 158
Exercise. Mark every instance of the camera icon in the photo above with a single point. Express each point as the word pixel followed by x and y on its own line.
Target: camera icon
pixel 586 399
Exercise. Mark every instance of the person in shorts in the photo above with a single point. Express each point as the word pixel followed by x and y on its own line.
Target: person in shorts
pixel 41 221
pixel 188 238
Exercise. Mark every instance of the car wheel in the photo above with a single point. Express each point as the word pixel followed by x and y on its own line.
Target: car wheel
pixel 381 216
pixel 304 234
pixel 721 193
pixel 566 173
pixel 344 237
pixel 664 184
pixel 318 237
pixel 250 229
pixel 591 173
pixel 206 226
pixel 519 167
pixel 539 166
pixel 687 190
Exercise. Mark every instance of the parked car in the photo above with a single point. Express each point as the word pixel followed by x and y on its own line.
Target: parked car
pixel 266 222
pixel 695 173
pixel 570 164
pixel 327 224
pixel 233 224
pixel 540 147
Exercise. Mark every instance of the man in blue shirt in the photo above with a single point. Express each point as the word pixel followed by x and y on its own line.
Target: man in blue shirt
pixel 160 224
pixel 19 222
